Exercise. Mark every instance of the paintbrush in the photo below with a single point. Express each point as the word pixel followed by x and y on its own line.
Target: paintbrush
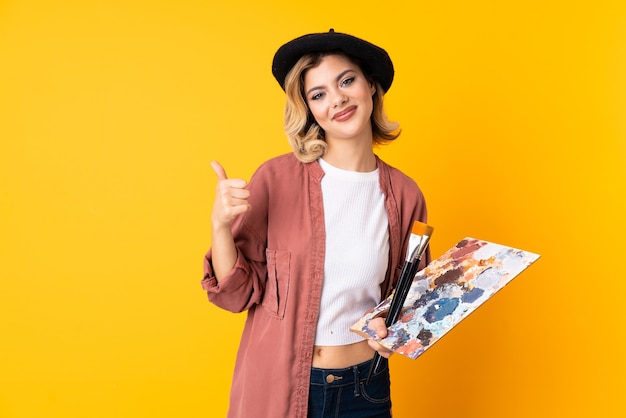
pixel 418 242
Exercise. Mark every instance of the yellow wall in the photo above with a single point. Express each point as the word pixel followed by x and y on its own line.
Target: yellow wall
pixel 110 111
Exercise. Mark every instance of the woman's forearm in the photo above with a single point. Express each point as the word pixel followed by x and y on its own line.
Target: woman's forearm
pixel 223 250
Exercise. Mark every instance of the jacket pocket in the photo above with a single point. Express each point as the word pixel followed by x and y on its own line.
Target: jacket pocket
pixel 277 285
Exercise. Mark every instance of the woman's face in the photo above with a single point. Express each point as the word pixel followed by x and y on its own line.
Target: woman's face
pixel 340 98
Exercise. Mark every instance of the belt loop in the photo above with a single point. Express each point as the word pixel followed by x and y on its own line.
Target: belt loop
pixel 355 370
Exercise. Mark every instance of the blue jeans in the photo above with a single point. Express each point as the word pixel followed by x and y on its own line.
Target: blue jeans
pixel 343 393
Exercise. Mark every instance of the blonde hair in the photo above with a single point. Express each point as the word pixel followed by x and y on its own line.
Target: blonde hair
pixel 305 136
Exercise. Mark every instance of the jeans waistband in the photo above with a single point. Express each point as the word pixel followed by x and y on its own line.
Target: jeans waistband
pixel 345 376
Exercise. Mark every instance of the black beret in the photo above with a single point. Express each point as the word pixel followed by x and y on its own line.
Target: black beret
pixel 375 60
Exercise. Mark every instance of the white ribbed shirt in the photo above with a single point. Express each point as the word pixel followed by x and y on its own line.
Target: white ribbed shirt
pixel 357 251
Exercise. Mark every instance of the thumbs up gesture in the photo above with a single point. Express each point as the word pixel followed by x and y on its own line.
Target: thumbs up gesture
pixel 231 198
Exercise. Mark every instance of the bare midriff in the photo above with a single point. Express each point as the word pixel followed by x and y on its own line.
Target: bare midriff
pixel 341 356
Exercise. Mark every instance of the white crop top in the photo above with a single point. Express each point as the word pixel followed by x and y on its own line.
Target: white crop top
pixel 357 251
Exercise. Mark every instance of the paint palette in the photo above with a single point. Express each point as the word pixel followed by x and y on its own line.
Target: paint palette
pixel 446 292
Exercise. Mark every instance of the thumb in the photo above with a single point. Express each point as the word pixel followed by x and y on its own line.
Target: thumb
pixel 378 326
pixel 219 170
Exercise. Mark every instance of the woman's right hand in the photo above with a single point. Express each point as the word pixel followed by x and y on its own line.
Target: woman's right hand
pixel 231 198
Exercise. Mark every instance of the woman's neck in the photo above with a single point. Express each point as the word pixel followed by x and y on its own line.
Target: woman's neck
pixel 351 156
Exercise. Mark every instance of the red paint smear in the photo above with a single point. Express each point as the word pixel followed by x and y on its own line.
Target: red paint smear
pixel 470 247
pixel 410 347
pixel 408 316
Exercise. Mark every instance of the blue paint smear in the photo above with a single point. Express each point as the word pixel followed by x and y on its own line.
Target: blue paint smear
pixel 440 309
pixel 472 295
pixel 429 296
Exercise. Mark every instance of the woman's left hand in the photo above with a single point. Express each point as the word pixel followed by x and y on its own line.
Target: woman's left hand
pixel 378 325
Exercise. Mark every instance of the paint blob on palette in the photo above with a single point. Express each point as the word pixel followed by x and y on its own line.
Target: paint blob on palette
pixel 446 292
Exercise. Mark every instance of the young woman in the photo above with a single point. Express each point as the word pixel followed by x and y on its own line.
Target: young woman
pixel 316 238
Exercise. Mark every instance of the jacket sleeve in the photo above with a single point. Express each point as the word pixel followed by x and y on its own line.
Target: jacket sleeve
pixel 415 203
pixel 244 285
pixel 411 206
pixel 422 216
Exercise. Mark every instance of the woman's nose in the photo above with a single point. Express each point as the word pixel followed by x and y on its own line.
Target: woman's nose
pixel 339 99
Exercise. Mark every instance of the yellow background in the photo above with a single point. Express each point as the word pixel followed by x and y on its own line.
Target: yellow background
pixel 110 112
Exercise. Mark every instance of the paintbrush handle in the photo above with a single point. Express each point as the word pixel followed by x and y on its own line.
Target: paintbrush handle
pixel 409 270
pixel 397 299
pixel 375 364
pixel 402 292
pixel 389 320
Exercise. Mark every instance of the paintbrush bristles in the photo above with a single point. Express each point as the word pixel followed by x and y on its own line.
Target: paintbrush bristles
pixel 423 242
pixel 419 228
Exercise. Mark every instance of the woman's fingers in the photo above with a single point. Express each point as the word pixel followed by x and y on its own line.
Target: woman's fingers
pixel 231 196
pixel 219 170
pixel 378 325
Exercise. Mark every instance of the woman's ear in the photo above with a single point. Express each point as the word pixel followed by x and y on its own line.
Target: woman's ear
pixel 372 86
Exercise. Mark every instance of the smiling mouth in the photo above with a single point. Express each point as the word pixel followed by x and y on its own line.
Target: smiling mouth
pixel 344 114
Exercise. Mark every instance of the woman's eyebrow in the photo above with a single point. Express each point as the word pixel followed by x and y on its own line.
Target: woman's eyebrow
pixel 339 77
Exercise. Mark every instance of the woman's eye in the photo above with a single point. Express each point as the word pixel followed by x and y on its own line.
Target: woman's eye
pixel 347 81
pixel 316 96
